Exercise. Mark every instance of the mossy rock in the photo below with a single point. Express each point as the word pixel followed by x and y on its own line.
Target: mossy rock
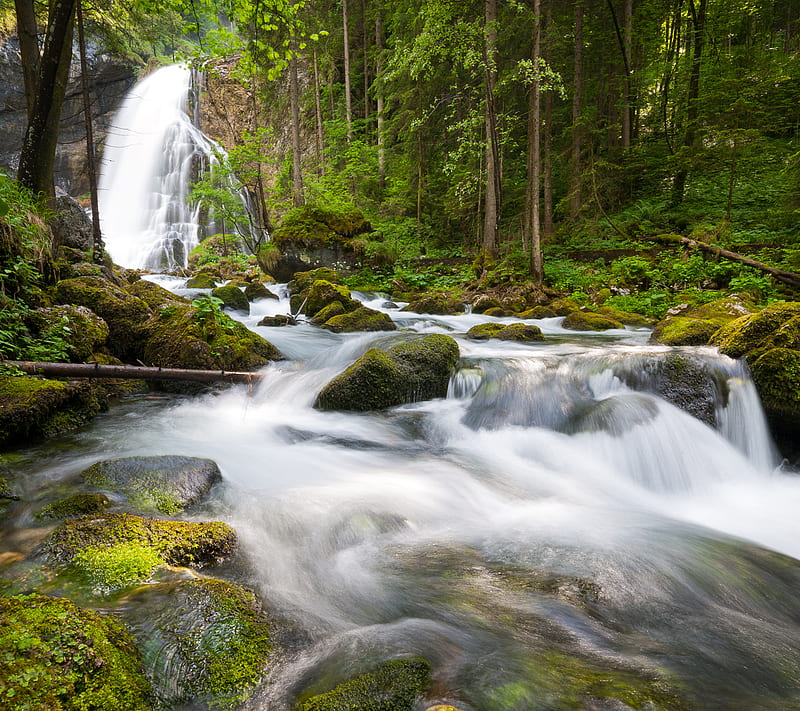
pixel 484 331
pixel 437 304
pixel 123 312
pixel 74 505
pixel 56 656
pixel 201 281
pixel 496 312
pixel 361 319
pixel 256 290
pixel 776 374
pixel 167 484
pixel 32 407
pixel 177 542
pixel 537 312
pixel 776 326
pixel 416 370
pixel 185 336
pixel 279 320
pixel 521 332
pixel 303 280
pixel 232 297
pixel 82 329
pixel 108 568
pixel 311 227
pixel 564 306
pixel 334 309
pixel 396 685
pixel 626 317
pixel 483 303
pixel 696 326
pixel 205 642
pixel 155 296
pixel 324 293
pixel 589 321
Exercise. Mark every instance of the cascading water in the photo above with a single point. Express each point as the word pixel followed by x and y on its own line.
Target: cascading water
pixel 154 151
pixel 560 523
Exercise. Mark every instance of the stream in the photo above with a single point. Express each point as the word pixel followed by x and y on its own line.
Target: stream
pixel 553 512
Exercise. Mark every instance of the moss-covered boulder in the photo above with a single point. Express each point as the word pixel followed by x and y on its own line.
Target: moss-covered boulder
pixel 279 320
pixel 327 312
pixel 776 374
pixel 211 657
pixel 416 370
pixel 123 312
pixel 176 542
pixel 626 317
pixel 56 656
pixel 437 304
pixel 79 327
pixel 74 505
pixel 776 326
pixel 201 281
pixel 155 296
pixel 563 306
pixel 361 319
pixel 397 685
pixel 537 312
pixel 324 293
pixel 521 332
pixel 232 297
pixel 167 484
pixel 201 336
pixel 589 321
pixel 483 303
pixel 696 326
pixel 303 280
pixel 256 290
pixel 484 331
pixel 32 407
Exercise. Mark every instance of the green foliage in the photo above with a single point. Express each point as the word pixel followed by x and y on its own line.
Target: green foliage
pixel 110 568
pixel 208 313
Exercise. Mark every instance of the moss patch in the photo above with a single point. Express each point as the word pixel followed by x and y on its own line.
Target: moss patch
pixel 437 304
pixel 232 298
pixel 695 327
pixel 75 505
pixel 109 568
pixel 589 321
pixel 54 656
pixel 82 329
pixel 361 319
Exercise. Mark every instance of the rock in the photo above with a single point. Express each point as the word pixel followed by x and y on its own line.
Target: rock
pixel 82 329
pixel 256 290
pixel 389 305
pixel 362 319
pixel 505 332
pixel 484 331
pixel 776 374
pixel 303 280
pixel 71 226
pixel 75 505
pixel 123 312
pixel 201 281
pixel 333 309
pixel 323 293
pixel 167 484
pixel 776 326
pixel 232 298
pixel 31 407
pixel 438 304
pixel 416 370
pixel 483 303
pixel 205 642
pixel 396 685
pixel 626 318
pixel 58 656
pixel 176 542
pixel 279 320
pixel 155 296
pixel 496 312
pixel 696 326
pixel 589 321
pixel 564 306
pixel 538 312
pixel 108 568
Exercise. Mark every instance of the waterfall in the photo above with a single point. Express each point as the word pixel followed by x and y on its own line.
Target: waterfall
pixel 154 151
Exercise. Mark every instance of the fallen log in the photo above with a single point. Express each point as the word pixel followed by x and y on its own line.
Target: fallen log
pixel 790 278
pixel 130 372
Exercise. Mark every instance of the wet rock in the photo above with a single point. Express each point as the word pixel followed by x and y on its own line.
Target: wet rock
pixel 71 226
pixel 160 483
pixel 303 280
pixel 361 319
pixel 324 293
pixel 437 304
pixel 79 327
pixel 483 303
pixel 506 332
pixel 589 321
pixel 74 505
pixel 256 290
pixel 58 656
pixel 416 370
pixel 696 326
pixel 279 320
pixel 232 298
pixel 155 296
pixel 201 281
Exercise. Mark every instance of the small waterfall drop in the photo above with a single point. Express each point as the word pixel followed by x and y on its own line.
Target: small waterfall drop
pixel 153 152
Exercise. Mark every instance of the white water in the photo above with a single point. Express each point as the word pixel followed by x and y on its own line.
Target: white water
pixel 153 152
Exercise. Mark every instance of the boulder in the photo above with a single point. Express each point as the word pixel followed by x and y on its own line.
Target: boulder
pixel 74 505
pixel 79 327
pixel 333 309
pixel 396 685
pixel 303 280
pixel 59 656
pixel 696 326
pixel 201 281
pixel 232 297
pixel 776 326
pixel 361 319
pixel 72 227
pixel 589 321
pixel 416 370
pixel 324 293
pixel 155 296
pixel 211 657
pixel 167 484
pixel 256 290
pixel 538 312
pixel 483 303
pixel 279 320
pixel 176 542
pixel 437 304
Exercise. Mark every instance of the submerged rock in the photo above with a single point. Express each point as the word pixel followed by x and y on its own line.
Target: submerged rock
pixel 416 370
pixel 58 656
pixel 205 642
pixel 396 685
pixel 160 483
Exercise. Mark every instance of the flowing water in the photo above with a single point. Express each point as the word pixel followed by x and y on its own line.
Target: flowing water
pixel 153 153
pixel 555 517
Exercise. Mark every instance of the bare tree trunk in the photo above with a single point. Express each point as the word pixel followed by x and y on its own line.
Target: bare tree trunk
pixel 347 98
pixel 97 235
pixel 547 166
pixel 365 58
pixel 379 96
pixel 575 201
pixel 628 108
pixel 28 48
pixel 532 226
pixel 492 201
pixel 318 107
pixel 294 100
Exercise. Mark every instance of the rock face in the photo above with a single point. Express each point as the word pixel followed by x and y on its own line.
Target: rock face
pixel 71 226
pixel 167 484
pixel 417 370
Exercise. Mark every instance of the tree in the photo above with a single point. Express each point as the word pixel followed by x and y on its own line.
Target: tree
pixel 532 195
pixel 492 200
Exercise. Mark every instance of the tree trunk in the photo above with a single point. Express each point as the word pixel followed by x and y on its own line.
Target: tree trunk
pixel 365 58
pixel 97 235
pixel 492 200
pixel 575 201
pixel 37 158
pixel 294 100
pixel 532 226
pixel 628 107
pixel 347 98
pixel 28 34
pixel 320 135
pixel 547 167
pixel 379 96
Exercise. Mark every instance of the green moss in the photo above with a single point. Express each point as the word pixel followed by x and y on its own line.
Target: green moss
pixel 311 227
pixel 484 331
pixel 201 281
pixel 177 542
pixel 56 656
pixel 256 290
pixel 323 293
pixel 155 296
pixel 361 319
pixel 109 568
pixel 564 306
pixel 589 321
pixel 393 686
pixel 520 332
pixel 776 326
pixel 327 312
pixel 538 312
pixel 80 328
pixel 303 280
pixel 695 327
pixel 440 304
pixel 232 297
pixel 496 312
pixel 626 317
pixel 75 505
pixel 776 374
